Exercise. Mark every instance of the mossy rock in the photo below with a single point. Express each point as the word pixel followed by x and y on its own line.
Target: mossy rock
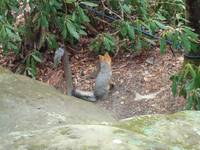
pixel 35 116
pixel 180 130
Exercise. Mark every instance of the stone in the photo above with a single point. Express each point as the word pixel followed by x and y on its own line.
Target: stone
pixel 27 104
pixel 3 70
pixel 150 60
pixel 35 116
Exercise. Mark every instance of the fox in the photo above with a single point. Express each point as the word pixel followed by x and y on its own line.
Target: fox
pixel 103 83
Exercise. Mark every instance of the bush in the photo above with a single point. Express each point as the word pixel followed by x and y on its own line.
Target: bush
pixel 187 82
pixel 45 23
pixel 48 22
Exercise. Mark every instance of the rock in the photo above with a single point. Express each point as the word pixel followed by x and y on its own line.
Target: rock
pixel 26 104
pixel 122 102
pixel 3 70
pixel 150 60
pixel 178 131
pixel 159 132
pixel 34 116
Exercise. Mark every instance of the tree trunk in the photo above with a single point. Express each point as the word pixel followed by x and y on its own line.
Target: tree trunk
pixel 192 14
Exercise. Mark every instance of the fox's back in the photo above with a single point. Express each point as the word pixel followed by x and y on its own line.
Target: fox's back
pixel 102 82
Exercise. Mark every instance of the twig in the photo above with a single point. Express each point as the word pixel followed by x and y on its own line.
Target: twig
pixel 114 33
pixel 118 68
pixel 122 12
pixel 109 24
pixel 72 49
pixel 110 11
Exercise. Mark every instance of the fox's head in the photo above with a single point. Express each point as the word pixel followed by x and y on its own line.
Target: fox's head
pixel 105 58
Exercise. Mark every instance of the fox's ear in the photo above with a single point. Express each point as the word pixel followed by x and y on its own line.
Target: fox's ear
pixel 101 58
pixel 107 58
pixel 106 54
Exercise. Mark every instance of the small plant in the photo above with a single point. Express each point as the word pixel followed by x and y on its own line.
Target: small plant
pixel 103 43
pixel 180 37
pixel 31 61
pixel 172 10
pixel 187 83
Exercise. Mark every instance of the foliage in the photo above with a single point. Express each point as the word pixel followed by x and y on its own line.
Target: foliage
pixel 136 18
pixel 101 42
pixel 45 21
pixel 172 10
pixel 49 22
pixel 8 36
pixel 188 82
pixel 31 61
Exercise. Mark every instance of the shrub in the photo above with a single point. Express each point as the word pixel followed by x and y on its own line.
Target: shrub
pixel 187 83
pixel 46 22
pixel 135 25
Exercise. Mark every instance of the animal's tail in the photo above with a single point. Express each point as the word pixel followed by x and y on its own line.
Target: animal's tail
pixel 85 95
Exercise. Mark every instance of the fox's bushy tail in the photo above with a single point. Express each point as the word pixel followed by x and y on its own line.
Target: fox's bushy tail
pixel 86 95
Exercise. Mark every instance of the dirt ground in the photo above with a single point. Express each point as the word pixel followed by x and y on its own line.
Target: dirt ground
pixel 142 84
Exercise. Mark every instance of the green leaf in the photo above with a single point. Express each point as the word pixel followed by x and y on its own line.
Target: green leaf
pixel 10 33
pixel 36 58
pixel 82 32
pixel 69 1
pixel 72 30
pixel 127 8
pixel 89 4
pixel 160 25
pixel 3 33
pixel 188 31
pixel 191 69
pixel 160 17
pixel 33 67
pixel 186 43
pixel 183 91
pixel 108 42
pixel 13 47
pixel 64 33
pixel 29 72
pixel 190 86
pixel 162 45
pixel 81 15
pixel 51 39
pixel 139 44
pixel 189 102
pixel 123 29
pixel 44 21
pixel 95 46
pixel 174 84
pixel 131 33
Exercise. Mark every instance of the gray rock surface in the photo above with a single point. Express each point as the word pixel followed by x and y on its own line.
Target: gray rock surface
pixel 34 116
pixel 29 104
